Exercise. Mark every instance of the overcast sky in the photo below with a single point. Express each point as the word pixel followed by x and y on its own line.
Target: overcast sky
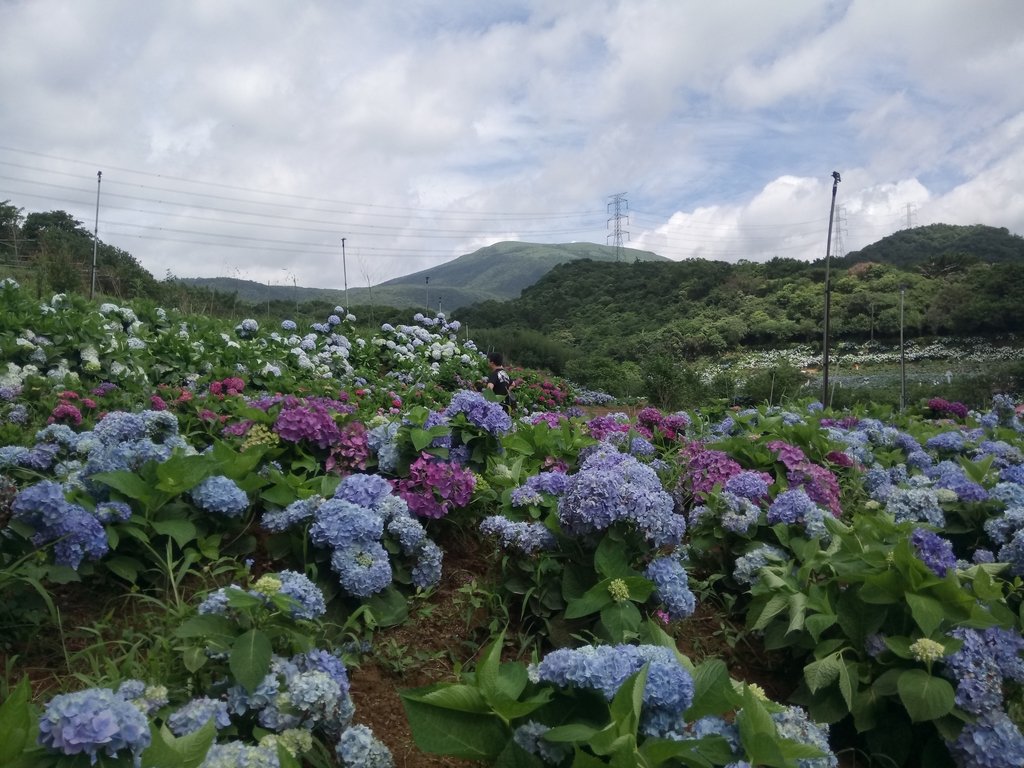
pixel 246 138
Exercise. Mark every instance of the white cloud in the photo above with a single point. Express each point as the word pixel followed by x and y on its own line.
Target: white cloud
pixel 249 138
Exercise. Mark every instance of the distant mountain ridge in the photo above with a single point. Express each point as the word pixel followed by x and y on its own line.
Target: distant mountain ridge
pixel 495 273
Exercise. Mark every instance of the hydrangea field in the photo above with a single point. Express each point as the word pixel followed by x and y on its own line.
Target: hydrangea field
pixel 208 532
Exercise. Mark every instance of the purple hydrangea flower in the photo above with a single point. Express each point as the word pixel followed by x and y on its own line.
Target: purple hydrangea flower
pixel 479 411
pixel 749 484
pixel 795 507
pixel 611 487
pixel 934 551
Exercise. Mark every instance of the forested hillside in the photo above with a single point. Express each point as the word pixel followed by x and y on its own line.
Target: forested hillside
pixel 589 319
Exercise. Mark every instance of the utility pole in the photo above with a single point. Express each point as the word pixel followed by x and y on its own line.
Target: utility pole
pixel 903 357
pixel 621 207
pixel 344 272
pixel 95 236
pixel 828 289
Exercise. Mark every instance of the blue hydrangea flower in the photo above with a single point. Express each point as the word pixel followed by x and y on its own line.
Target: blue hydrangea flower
pixel 92 722
pixel 307 595
pixel 985 659
pixel 359 748
pixel 220 495
pixel 794 723
pixel 741 514
pixel 365 490
pixel 530 737
pixel 747 567
pixel 363 568
pixel 553 483
pixel 672 586
pixel 947 442
pixel 197 713
pixel 916 505
pixel 795 507
pixel 239 754
pixel 993 741
pixel 1010 494
pixel 409 532
pixel 668 691
pixel 300 510
pixel 340 523
pixel 523 537
pixel 426 573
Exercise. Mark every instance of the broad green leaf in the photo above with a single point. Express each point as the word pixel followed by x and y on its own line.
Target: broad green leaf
pixel 389 607
pixel 126 567
pixel 611 559
pixel 927 612
pixel 444 731
pixel 16 721
pixel 797 610
pixel 250 658
pixel 823 672
pixel 706 752
pixel 593 600
pixel 713 691
pixel 925 696
pixel 206 625
pixel 182 473
pixel 628 700
pixel 776 605
pixel 169 751
pixel 420 438
pixel 194 658
pixel 621 621
pixel 182 531
pixel 488 667
pixel 128 483
pixel 571 732
pixel 457 696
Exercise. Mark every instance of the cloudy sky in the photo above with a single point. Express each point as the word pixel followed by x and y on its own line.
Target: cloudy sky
pixel 247 138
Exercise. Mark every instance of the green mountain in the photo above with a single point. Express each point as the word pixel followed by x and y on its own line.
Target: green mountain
pixel 936 247
pixel 496 273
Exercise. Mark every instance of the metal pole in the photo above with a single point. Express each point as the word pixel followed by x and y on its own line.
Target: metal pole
pixel 426 294
pixel 903 358
pixel 95 236
pixel 828 290
pixel 344 271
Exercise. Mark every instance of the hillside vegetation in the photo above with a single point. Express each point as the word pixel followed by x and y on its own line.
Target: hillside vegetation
pixel 609 319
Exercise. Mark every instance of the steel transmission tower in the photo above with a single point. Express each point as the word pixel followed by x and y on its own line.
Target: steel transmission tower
pixel 621 211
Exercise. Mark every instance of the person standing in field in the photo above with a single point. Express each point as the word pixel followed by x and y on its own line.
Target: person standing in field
pixel 499 381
